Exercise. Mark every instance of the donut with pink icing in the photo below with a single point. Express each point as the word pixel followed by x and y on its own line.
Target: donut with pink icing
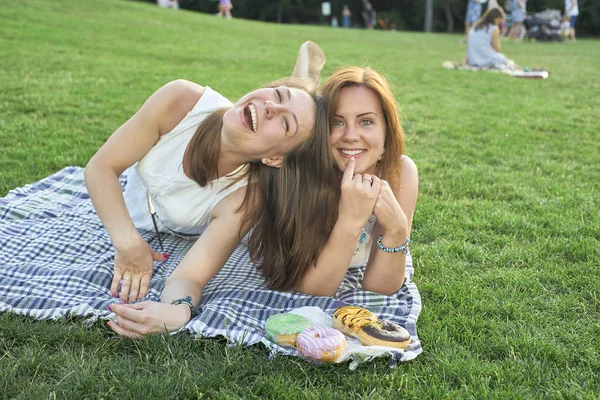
pixel 321 344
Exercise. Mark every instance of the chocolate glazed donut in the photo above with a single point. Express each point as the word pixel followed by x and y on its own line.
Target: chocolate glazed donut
pixel 384 333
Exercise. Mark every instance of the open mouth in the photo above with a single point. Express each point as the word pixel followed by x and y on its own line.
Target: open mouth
pixel 250 117
pixel 351 153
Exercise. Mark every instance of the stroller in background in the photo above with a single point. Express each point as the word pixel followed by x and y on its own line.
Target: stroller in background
pixel 544 26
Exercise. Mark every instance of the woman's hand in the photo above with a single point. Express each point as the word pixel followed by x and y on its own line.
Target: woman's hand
pixel 389 214
pixel 359 194
pixel 134 265
pixel 148 317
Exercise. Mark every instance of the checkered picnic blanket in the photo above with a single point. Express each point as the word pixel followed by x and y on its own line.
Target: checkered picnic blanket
pixel 57 260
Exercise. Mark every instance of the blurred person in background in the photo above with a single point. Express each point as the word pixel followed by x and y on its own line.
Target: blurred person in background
pixel 225 8
pixel 473 14
pixel 483 49
pixel 369 15
pixel 346 15
pixel 518 16
pixel 572 11
pixel 494 4
pixel 174 4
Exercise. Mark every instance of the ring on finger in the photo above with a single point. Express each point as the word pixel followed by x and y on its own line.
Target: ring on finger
pixel 368 179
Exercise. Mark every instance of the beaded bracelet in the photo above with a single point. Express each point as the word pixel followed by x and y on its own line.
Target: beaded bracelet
pixel 403 248
pixel 188 302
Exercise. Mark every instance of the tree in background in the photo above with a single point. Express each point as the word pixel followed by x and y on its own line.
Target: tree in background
pixel 404 14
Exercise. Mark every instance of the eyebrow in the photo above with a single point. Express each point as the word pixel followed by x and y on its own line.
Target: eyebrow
pixel 289 93
pixel 368 112
pixel 359 115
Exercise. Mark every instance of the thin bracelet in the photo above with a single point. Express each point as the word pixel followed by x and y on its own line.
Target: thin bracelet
pixel 188 302
pixel 403 248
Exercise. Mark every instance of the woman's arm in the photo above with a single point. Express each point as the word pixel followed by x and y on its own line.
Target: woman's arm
pixel 356 206
pixel 496 39
pixel 127 145
pixel 385 272
pixel 204 260
pixel 210 252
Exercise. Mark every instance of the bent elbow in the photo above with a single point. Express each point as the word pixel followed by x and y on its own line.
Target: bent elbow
pixel 387 290
pixel 88 171
pixel 315 291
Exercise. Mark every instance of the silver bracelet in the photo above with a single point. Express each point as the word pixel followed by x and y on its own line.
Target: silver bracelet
pixel 403 248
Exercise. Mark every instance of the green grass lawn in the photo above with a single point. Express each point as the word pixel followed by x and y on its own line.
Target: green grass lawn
pixel 506 235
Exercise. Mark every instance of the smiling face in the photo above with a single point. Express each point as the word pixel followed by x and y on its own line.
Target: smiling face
pixel 267 123
pixel 358 129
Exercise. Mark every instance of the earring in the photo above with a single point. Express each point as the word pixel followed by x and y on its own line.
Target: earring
pixel 378 164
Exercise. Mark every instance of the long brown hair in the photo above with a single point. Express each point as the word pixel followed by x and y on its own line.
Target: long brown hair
pixel 488 18
pixel 390 165
pixel 292 208
pixel 297 208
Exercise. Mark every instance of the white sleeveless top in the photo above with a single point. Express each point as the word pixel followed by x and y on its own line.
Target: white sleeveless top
pixel 183 207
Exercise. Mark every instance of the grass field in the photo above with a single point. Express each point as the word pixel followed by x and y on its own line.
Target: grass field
pixel 506 234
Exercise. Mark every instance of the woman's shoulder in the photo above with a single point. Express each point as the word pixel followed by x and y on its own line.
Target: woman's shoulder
pixel 183 92
pixel 409 167
pixel 486 30
pixel 407 161
pixel 408 188
pixel 180 96
pixel 409 175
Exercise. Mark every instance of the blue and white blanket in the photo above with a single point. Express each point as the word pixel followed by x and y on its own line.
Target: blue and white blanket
pixel 57 260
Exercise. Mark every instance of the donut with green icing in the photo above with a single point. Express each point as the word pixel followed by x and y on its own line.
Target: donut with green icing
pixel 283 329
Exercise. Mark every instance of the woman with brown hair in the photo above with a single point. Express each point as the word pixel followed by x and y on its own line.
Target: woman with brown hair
pixel 194 153
pixel 377 190
pixel 483 49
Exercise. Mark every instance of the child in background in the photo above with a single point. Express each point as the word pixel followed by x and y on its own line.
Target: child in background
pixel 565 27
pixel 225 7
pixel 346 14
pixel 174 4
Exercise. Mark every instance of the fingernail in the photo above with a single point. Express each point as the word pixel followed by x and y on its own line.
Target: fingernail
pixel 165 256
pixel 110 307
pixel 113 294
